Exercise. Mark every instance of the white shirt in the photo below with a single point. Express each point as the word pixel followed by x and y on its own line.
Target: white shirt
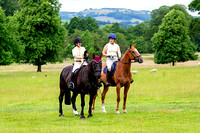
pixel 112 49
pixel 75 52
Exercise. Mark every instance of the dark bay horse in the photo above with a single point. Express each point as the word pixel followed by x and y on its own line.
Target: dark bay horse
pixel 122 77
pixel 86 83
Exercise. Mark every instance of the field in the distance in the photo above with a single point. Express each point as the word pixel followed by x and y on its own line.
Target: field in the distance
pixel 164 101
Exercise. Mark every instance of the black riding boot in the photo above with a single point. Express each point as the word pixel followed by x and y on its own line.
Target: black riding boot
pixel 132 81
pixel 71 82
pixel 107 76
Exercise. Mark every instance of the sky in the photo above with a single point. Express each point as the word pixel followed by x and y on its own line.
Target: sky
pixel 80 5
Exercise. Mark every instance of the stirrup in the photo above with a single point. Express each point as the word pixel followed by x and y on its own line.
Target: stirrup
pixel 99 85
pixel 107 83
pixel 132 81
pixel 71 85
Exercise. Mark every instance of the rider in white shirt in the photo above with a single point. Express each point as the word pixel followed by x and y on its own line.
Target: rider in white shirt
pixel 111 50
pixel 78 53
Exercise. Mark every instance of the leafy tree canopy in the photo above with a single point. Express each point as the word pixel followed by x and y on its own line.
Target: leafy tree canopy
pixel 172 42
pixel 40 31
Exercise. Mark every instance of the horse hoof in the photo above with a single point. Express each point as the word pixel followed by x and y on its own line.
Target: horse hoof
pixel 125 111
pixel 61 115
pixel 118 113
pixel 82 118
pixel 93 111
pixel 89 116
pixel 77 115
pixel 104 111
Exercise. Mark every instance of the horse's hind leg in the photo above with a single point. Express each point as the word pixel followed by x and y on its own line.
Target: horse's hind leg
pixel 92 95
pixel 103 98
pixel 82 105
pixel 126 88
pixel 60 102
pixel 73 103
pixel 93 104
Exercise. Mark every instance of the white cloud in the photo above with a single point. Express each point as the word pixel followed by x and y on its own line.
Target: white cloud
pixel 79 5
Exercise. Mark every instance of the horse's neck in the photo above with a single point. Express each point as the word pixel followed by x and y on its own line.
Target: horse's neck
pixel 126 67
pixel 88 69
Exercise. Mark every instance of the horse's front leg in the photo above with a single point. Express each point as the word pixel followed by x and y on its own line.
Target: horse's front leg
pixel 73 103
pixel 92 95
pixel 126 88
pixel 60 102
pixel 118 87
pixel 103 98
pixel 82 105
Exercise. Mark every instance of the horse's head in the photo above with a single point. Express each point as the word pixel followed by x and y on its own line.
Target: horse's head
pixel 134 54
pixel 96 65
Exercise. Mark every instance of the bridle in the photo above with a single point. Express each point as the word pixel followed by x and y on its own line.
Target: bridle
pixel 97 70
pixel 132 53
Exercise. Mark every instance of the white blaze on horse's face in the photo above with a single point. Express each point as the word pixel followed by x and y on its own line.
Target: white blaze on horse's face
pixel 136 51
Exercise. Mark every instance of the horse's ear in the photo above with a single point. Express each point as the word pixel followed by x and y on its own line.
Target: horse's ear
pixel 130 45
pixel 93 55
pixel 134 45
pixel 100 55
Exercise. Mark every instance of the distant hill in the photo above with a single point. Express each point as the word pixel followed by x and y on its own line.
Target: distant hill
pixel 110 15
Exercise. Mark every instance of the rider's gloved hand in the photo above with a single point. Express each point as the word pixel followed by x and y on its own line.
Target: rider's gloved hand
pixel 85 57
pixel 111 57
pixel 119 58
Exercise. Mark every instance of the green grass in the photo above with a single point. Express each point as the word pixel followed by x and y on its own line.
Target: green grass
pixel 164 101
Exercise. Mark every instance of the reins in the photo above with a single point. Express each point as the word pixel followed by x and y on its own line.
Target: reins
pixel 127 62
pixel 130 60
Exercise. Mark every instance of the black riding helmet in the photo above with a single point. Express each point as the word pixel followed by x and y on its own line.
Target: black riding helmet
pixel 77 40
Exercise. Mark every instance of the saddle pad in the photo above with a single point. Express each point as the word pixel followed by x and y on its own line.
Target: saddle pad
pixel 113 68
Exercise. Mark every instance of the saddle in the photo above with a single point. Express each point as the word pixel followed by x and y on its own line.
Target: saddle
pixel 76 72
pixel 113 68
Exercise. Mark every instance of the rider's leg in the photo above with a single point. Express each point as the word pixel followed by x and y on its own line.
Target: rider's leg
pixel 107 77
pixel 109 63
pixel 71 81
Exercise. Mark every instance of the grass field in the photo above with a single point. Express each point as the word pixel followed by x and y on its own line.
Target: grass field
pixel 164 101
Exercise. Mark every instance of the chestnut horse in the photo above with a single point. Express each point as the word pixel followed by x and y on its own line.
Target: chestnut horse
pixel 86 81
pixel 122 77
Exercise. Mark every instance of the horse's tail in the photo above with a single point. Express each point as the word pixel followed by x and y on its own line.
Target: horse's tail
pixel 64 87
pixel 67 97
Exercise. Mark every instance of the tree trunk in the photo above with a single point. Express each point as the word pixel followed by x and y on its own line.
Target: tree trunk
pixel 39 68
pixel 173 63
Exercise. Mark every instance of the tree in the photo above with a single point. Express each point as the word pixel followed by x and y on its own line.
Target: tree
pixel 141 44
pixel 77 23
pixel 74 24
pixel 88 42
pixel 121 41
pixel 139 34
pixel 98 43
pixel 67 51
pixel 92 25
pixel 158 14
pixel 40 31
pixel 172 42
pixel 65 25
pixel 194 32
pixel 194 6
pixel 10 48
pixel 10 6
pixel 116 28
